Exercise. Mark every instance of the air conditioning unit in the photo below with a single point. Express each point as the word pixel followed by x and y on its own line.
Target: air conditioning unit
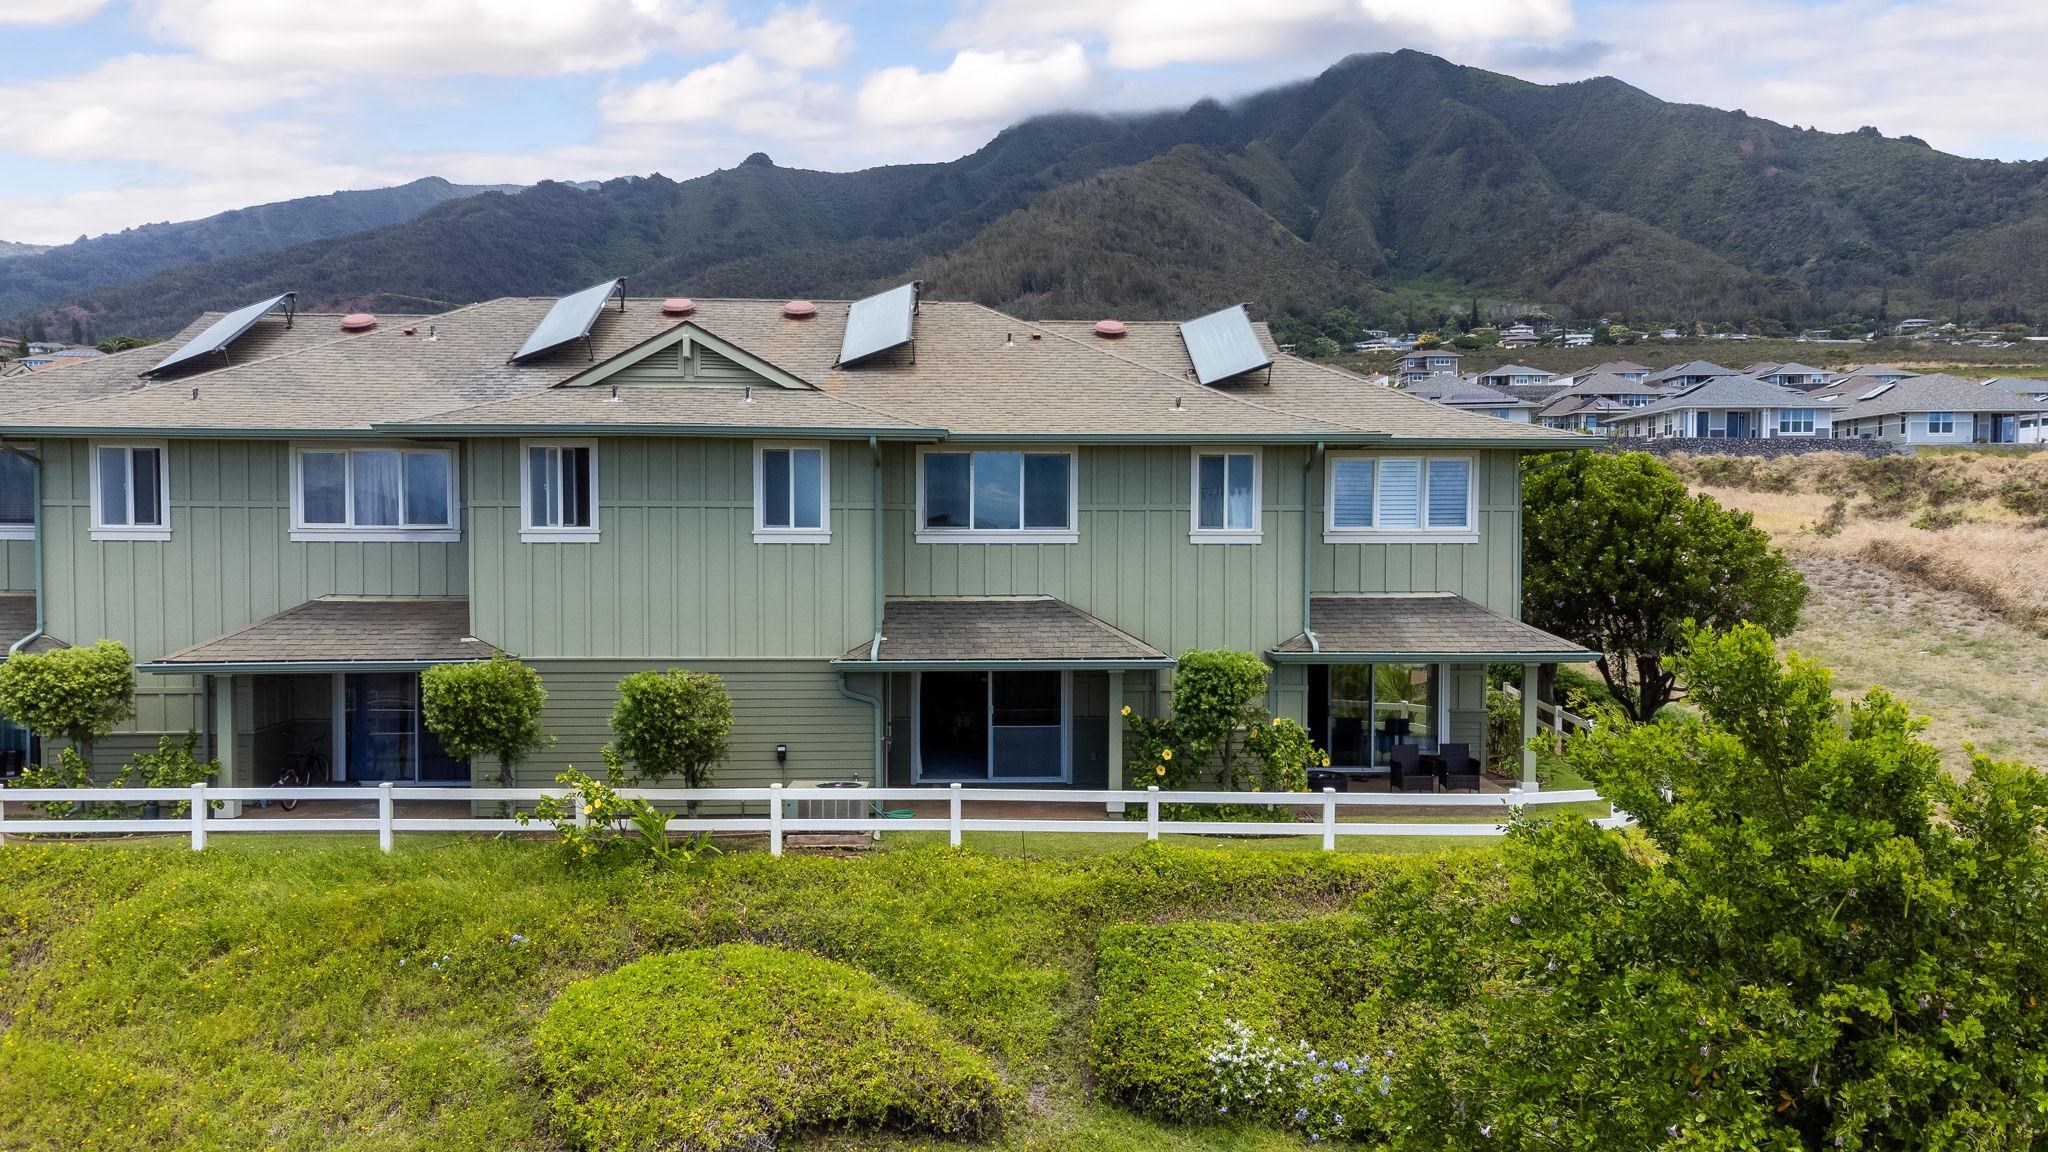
pixel 850 808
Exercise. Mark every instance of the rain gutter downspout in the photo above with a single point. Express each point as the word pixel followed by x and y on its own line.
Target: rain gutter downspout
pixel 36 503
pixel 1308 535
pixel 875 645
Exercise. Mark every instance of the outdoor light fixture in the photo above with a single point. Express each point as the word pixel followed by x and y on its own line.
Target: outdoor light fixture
pixel 781 753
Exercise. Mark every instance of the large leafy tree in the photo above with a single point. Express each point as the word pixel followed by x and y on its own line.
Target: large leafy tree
pixel 1818 940
pixel 1619 556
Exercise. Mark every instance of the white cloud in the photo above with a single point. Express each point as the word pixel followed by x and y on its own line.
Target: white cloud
pixel 802 38
pixel 154 109
pixel 977 87
pixel 440 37
pixel 703 95
pixel 47 11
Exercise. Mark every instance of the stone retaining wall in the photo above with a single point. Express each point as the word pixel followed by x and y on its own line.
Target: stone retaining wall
pixel 1769 449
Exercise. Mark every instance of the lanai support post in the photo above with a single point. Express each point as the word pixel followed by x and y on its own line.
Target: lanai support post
pixel 1116 739
pixel 1529 727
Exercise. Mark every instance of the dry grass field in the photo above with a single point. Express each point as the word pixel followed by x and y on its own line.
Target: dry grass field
pixel 1929 576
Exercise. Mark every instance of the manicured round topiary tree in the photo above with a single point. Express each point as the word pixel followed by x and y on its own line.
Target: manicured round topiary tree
pixel 739 1046
pixel 672 723
pixel 74 694
pixel 486 708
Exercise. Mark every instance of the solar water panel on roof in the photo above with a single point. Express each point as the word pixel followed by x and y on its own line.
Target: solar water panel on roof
pixel 878 323
pixel 222 332
pixel 1223 344
pixel 571 318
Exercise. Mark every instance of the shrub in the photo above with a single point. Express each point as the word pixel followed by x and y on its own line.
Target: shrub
pixel 74 694
pixel 2024 496
pixel 589 820
pixel 737 1046
pixel 487 708
pixel 1283 752
pixel 1216 695
pixel 1503 733
pixel 672 723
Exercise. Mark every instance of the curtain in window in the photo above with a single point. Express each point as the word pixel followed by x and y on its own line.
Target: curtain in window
pixel 1209 483
pixel 376 476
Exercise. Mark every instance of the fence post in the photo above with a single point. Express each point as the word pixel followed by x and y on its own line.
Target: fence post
pixel 1516 802
pixel 384 813
pixel 775 820
pixel 953 816
pixel 1151 811
pixel 3 823
pixel 1329 819
pixel 199 816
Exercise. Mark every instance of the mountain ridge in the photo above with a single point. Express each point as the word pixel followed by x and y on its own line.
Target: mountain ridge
pixel 1591 197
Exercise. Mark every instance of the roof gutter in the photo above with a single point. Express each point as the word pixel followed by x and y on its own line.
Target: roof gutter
pixel 743 431
pixel 179 668
pixel 36 504
pixel 1308 551
pixel 1579 656
pixel 1133 664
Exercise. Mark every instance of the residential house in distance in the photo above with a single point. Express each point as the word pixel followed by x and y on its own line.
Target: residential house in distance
pixel 1471 396
pixel 1626 369
pixel 1593 399
pixel 1943 409
pixel 1519 336
pixel 1423 363
pixel 1689 373
pixel 921 541
pixel 1508 375
pixel 1790 375
pixel 1730 406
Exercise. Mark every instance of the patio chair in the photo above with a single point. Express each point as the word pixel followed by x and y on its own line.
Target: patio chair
pixel 1460 769
pixel 1408 775
pixel 1319 780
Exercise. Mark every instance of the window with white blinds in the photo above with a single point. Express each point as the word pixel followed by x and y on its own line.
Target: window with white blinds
pixel 1392 497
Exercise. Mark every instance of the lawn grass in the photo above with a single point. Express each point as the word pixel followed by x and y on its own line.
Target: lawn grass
pixel 309 992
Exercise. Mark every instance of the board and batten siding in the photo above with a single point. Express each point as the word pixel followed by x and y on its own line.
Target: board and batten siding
pixel 796 703
pixel 676 573
pixel 230 562
pixel 1133 565
pixel 1487 573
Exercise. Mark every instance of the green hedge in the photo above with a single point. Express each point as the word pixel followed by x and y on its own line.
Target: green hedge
pixel 734 1046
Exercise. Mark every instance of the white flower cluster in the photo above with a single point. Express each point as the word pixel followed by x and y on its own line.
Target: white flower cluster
pixel 1263 1075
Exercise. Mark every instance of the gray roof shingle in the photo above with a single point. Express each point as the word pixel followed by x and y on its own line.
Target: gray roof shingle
pixel 18 619
pixel 1003 629
pixel 1942 393
pixel 346 630
pixel 1398 625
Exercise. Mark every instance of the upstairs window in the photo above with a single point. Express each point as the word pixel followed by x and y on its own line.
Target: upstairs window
pixel 1938 423
pixel 17 497
pixel 1013 496
pixel 791 494
pixel 129 484
pixel 1793 420
pixel 1396 498
pixel 346 493
pixel 1225 501
pixel 558 485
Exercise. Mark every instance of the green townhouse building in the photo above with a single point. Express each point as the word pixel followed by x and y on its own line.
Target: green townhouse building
pixel 922 541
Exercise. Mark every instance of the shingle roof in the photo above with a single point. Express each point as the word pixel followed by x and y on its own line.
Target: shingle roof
pixel 1773 368
pixel 1464 392
pixel 1003 629
pixel 1730 392
pixel 18 619
pixel 1399 625
pixel 1692 368
pixel 337 631
pixel 1615 366
pixel 2024 384
pixel 1941 393
pixel 1516 370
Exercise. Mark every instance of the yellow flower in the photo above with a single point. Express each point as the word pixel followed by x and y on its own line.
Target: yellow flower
pixel 1159 769
pixel 588 809
pixel 1167 754
pixel 1326 761
pixel 1276 721
pixel 1127 709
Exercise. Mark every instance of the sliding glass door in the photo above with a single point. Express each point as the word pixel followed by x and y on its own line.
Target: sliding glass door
pixel 1360 712
pixel 978 726
pixel 383 734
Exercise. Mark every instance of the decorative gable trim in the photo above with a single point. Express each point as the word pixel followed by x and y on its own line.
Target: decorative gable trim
pixel 686 356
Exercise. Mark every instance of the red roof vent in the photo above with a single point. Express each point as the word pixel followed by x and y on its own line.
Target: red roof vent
pixel 358 322
pixel 799 309
pixel 678 306
pixel 1109 329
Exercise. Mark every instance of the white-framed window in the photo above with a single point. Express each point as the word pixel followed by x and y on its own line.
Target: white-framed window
pixel 1224 500
pixel 1397 499
pixel 374 492
pixel 1940 423
pixel 792 493
pixel 1795 420
pixel 17 496
pixel 131 483
pixel 558 491
pixel 1008 495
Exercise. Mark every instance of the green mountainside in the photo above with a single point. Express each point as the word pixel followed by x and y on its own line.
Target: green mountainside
pixel 40 275
pixel 13 248
pixel 1384 171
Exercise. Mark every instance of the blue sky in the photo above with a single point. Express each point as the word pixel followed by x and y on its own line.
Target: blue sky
pixel 124 112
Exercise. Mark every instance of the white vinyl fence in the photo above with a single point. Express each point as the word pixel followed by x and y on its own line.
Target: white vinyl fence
pixel 1328 809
